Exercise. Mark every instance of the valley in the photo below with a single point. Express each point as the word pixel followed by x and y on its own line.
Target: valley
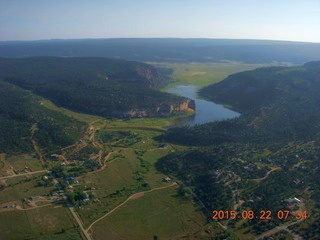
pixel 131 178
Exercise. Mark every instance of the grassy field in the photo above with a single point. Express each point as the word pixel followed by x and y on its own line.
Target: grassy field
pixel 17 164
pixel 21 161
pixel 203 74
pixel 22 187
pixel 35 223
pixel 160 213
pixel 112 185
pixel 126 173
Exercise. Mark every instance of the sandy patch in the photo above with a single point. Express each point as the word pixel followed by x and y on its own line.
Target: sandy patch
pixel 137 195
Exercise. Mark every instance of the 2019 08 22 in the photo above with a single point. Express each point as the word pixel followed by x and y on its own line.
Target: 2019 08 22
pixel 262 214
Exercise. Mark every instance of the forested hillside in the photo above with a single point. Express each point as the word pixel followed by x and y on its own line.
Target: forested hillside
pixel 22 117
pixel 98 86
pixel 262 159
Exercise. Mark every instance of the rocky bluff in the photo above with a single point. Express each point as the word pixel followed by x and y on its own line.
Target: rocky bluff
pixel 163 109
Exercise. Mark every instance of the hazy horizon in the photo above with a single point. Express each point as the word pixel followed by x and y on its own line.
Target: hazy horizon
pixel 286 20
pixel 162 38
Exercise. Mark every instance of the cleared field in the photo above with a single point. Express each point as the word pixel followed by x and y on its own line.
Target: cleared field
pixel 23 161
pixel 160 213
pixel 10 165
pixel 35 223
pixel 127 172
pixel 153 177
pixel 22 187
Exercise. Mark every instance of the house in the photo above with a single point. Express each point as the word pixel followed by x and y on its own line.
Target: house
pixel 293 200
pixel 70 178
pixel 297 200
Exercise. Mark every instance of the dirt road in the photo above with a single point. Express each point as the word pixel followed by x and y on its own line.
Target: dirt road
pixel 134 196
pixel 25 174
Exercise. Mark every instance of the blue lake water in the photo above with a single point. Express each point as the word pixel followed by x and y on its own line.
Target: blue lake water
pixel 206 111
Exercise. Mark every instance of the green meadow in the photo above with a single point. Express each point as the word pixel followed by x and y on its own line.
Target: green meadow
pixel 159 214
pixel 204 74
pixel 32 224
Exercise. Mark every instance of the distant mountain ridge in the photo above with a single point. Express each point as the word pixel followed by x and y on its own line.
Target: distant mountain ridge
pixel 168 49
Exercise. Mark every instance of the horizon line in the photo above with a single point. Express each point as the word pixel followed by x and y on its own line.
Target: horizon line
pixel 163 38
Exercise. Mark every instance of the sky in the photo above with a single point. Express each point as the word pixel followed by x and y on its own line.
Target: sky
pixel 294 20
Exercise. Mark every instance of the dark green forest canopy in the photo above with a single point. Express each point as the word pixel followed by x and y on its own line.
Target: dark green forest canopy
pixel 253 89
pixel 105 87
pixel 20 110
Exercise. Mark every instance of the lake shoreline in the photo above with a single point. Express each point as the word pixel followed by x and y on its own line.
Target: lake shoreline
pixel 206 111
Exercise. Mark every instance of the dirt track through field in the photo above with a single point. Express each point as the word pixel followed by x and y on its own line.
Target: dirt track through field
pixel 132 197
pixel 25 174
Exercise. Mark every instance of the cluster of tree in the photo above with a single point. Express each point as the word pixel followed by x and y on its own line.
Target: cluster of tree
pixel 20 110
pixel 104 87
pixel 118 138
pixel 78 196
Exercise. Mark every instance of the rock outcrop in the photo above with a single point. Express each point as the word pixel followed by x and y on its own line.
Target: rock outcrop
pixel 186 105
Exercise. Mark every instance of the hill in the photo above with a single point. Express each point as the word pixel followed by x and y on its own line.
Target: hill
pixel 105 87
pixel 168 50
pixel 261 159
pixel 23 117
pixel 275 102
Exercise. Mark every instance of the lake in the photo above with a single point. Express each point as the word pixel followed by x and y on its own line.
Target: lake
pixel 206 111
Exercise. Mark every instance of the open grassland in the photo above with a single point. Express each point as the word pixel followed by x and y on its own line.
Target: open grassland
pixel 127 172
pixel 111 186
pixel 159 213
pixel 35 223
pixel 22 187
pixel 25 161
pixel 153 177
pixel 203 74
pixel 17 164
